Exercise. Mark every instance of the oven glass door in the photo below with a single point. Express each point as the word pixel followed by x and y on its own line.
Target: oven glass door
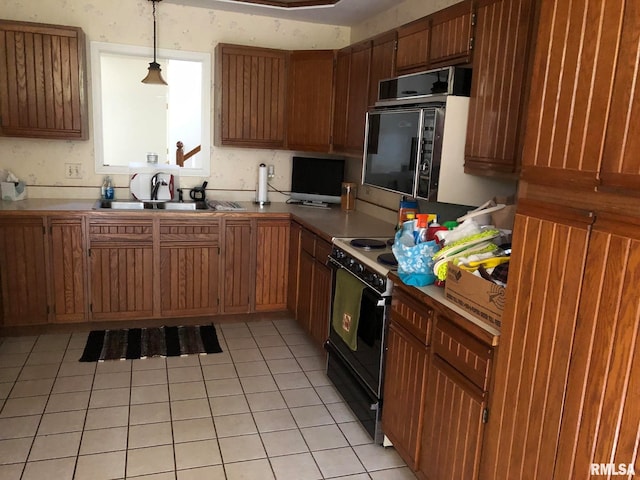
pixel 366 360
pixel 392 144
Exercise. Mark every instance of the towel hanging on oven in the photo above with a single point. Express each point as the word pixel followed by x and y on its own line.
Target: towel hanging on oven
pixel 346 307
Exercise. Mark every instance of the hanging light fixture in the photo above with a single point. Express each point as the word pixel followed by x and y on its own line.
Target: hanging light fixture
pixel 154 77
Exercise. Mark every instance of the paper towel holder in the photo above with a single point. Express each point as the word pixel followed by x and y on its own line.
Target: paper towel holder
pixel 262 187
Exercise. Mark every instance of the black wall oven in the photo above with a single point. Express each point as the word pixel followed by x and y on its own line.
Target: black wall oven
pixel 358 374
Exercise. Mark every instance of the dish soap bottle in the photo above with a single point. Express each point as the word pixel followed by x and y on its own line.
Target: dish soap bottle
pixel 107 188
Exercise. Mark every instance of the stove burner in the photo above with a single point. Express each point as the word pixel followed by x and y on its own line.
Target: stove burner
pixel 388 259
pixel 368 243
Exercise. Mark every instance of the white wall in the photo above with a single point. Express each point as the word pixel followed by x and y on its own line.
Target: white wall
pixel 41 162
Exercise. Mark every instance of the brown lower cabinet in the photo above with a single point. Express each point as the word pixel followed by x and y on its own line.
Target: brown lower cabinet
pixel 189 266
pixel 78 267
pixel 23 271
pixel 313 305
pixel 121 268
pixel 436 381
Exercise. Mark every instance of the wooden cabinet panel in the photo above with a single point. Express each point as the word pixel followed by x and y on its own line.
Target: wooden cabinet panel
pixel 42 81
pixel 68 269
pixel 537 339
pixel 383 59
pixel 601 418
pixel 305 293
pixel 502 41
pixel 414 316
pixel 309 95
pixel 451 32
pixel 189 265
pixel 463 352
pixel 621 159
pixel 321 303
pixel 271 266
pixel 252 86
pixel 121 268
pixel 404 383
pixel 238 276
pixel 358 96
pixel 23 271
pixel 452 427
pixel 294 268
pixel 574 61
pixel 351 97
pixel 413 46
pixel 341 100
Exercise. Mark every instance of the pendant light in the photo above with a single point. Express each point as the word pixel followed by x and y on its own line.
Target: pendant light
pixel 154 77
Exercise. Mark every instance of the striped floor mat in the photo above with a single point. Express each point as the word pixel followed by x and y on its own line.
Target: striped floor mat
pixel 130 343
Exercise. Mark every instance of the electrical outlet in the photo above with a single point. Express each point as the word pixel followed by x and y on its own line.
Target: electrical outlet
pixel 271 171
pixel 72 170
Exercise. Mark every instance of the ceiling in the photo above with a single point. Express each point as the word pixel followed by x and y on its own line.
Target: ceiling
pixel 343 12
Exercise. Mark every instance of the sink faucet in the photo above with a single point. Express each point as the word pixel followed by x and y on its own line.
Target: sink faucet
pixel 156 181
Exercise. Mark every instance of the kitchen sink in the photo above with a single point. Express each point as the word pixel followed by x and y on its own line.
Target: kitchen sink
pixel 149 205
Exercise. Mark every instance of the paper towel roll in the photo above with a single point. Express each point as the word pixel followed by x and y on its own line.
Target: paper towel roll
pixel 261 191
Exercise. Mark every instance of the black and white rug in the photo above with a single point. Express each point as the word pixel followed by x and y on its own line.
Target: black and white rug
pixel 131 343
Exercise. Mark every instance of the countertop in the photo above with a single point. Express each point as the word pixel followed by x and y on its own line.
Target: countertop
pixel 327 222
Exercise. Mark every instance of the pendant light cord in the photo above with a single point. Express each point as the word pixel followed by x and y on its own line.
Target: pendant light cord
pixel 154 30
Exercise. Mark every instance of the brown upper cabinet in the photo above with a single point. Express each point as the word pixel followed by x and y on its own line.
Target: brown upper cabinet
pixel 252 96
pixel 309 96
pixel 452 35
pixel 43 91
pixel 352 97
pixel 413 46
pixel 501 70
pixel 383 62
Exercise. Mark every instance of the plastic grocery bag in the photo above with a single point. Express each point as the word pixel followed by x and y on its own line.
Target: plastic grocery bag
pixel 415 262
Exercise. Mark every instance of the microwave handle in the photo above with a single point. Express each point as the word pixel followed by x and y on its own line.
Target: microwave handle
pixel 419 155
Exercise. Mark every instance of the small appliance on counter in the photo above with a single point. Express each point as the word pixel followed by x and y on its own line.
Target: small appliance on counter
pixel 147 182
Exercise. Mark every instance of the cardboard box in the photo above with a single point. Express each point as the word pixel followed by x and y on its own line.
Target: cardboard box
pixel 480 297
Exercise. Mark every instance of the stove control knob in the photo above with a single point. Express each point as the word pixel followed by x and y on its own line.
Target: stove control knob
pixel 359 268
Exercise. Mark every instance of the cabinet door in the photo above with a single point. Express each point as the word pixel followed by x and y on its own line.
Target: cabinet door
pixel 404 384
pixel 310 93
pixel 122 269
pixel 539 321
pixel 341 99
pixel 237 275
pixel 502 41
pixel 304 290
pixel 189 265
pixel 413 46
pixel 272 272
pixel 252 88
pixel 351 97
pixel 575 60
pixel 383 59
pixel 358 96
pixel 294 268
pixel 451 35
pixel 601 418
pixel 23 272
pixel 68 269
pixel 42 81
pixel 453 425
pixel 621 160
pixel 322 288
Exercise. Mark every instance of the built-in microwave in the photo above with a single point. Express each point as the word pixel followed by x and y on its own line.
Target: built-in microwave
pixel 415 140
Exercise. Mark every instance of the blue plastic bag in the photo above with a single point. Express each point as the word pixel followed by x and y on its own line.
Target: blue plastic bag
pixel 415 262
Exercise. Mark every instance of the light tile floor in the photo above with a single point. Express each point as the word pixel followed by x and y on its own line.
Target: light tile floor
pixel 263 409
